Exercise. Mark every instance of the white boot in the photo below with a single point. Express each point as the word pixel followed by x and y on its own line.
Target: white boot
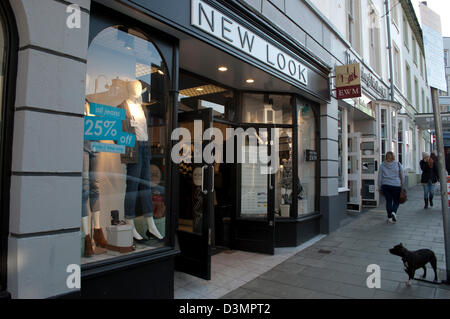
pixel 135 233
pixel 152 228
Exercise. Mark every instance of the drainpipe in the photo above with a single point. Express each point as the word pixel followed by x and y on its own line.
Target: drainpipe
pixel 391 66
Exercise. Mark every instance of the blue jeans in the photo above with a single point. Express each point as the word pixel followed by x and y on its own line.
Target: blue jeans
pixel 90 191
pixel 392 195
pixel 428 190
pixel 138 184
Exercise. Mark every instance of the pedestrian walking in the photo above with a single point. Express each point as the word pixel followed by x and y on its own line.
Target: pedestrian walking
pixel 390 181
pixel 430 176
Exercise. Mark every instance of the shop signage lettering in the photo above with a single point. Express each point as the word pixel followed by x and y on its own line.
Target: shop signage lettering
pixel 215 23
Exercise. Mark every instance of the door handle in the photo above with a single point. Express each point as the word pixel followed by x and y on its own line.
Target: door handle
pixel 270 179
pixel 212 186
pixel 203 179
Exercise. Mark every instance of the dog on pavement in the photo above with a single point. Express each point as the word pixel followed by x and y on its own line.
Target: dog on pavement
pixel 413 260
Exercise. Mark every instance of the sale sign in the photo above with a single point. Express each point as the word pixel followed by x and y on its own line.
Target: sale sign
pixel 348 81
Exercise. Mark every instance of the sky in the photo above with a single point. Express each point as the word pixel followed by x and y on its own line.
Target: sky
pixel 442 7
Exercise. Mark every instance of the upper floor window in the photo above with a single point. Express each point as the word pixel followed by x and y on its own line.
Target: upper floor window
pixel 395 10
pixel 397 65
pixel 353 24
pixel 408 83
pixel 414 45
pixel 405 32
pixel 374 36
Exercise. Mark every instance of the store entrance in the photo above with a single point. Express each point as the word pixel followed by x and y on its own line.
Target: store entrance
pixel 196 195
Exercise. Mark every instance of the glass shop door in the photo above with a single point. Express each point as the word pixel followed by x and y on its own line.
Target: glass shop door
pixel 254 221
pixel 195 193
pixel 354 172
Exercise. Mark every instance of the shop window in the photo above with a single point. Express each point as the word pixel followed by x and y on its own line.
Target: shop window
pixel 384 133
pixel 267 109
pixel 307 165
pixel 196 94
pixel 284 178
pixel 400 141
pixel 124 169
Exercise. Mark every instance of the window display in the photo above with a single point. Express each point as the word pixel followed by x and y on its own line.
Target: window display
pixel 267 109
pixel 306 165
pixel 123 198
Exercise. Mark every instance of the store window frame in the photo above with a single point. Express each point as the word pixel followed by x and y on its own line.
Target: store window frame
pixel 296 99
pixel 7 109
pixel 168 49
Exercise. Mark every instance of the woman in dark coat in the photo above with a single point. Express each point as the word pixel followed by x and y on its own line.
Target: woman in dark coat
pixel 430 176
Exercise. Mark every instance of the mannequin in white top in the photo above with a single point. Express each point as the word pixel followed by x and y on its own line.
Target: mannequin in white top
pixel 139 122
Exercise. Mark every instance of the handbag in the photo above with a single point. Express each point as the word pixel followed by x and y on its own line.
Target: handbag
pixel 403 195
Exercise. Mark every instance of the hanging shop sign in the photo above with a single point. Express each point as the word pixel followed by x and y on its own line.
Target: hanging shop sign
pixel 348 81
pixel 212 21
pixel 367 78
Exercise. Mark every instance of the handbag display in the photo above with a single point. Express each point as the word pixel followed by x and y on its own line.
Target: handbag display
pixel 403 195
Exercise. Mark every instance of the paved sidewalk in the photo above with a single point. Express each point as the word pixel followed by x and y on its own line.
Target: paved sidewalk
pixel 335 267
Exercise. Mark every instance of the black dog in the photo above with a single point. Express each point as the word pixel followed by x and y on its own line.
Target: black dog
pixel 414 260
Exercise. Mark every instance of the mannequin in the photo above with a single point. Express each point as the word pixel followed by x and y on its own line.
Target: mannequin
pixel 91 194
pixel 139 165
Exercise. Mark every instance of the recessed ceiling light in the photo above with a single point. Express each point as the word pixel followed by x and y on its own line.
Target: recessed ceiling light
pixel 250 81
pixel 200 89
pixel 223 69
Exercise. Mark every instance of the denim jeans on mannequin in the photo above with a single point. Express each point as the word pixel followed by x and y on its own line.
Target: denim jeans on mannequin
pixel 90 192
pixel 138 184
pixel 428 190
pixel 392 195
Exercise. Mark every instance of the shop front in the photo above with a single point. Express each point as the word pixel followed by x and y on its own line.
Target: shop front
pixel 165 88
pixel 174 134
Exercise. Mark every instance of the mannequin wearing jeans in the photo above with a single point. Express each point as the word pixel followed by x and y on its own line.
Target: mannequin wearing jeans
pixel 138 173
pixel 90 196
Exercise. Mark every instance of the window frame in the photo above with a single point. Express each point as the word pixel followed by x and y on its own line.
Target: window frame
pixel 7 108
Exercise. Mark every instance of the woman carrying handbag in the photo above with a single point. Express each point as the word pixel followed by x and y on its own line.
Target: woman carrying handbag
pixel 390 181
pixel 430 176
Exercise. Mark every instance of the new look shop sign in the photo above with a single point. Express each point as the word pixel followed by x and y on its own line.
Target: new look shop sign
pixel 212 21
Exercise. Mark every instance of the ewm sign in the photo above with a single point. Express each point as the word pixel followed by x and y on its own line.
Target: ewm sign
pixel 212 21
pixel 348 81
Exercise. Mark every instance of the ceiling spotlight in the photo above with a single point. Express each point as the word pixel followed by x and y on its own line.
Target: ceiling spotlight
pixel 223 69
pixel 250 81
pixel 200 89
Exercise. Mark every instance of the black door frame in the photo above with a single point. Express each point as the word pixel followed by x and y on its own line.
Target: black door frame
pixel 7 104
